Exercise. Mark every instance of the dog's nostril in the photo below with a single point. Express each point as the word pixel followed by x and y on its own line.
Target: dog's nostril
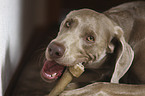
pixel 50 50
pixel 57 53
pixel 56 50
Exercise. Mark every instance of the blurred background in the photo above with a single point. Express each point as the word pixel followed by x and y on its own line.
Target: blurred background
pixel 26 28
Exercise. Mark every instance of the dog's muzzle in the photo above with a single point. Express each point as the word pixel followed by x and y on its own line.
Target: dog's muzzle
pixel 51 69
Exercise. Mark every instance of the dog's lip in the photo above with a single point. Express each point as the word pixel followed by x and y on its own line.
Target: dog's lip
pixel 51 71
pixel 45 78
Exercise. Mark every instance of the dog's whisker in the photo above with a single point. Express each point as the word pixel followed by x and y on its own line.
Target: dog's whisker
pixel 40 50
pixel 41 58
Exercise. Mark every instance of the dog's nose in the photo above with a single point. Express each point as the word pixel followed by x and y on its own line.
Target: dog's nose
pixel 55 50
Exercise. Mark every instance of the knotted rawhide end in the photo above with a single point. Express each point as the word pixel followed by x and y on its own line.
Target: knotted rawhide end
pixel 77 70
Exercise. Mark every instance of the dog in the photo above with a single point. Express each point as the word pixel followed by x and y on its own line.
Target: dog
pixel 110 45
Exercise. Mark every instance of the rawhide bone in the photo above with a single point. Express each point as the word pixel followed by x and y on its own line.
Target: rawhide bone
pixel 66 78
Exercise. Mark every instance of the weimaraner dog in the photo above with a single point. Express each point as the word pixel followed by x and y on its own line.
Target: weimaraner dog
pixel 110 45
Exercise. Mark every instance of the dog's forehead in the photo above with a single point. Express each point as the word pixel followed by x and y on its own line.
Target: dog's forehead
pixel 84 17
pixel 84 13
pixel 90 20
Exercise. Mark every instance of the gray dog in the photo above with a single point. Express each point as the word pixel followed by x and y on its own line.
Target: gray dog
pixel 111 46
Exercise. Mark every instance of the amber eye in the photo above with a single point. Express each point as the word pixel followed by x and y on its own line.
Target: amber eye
pixel 90 39
pixel 68 24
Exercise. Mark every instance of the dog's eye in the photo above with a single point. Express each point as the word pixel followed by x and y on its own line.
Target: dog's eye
pixel 68 23
pixel 90 39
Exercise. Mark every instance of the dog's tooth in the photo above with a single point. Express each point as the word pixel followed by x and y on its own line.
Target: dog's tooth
pixel 54 74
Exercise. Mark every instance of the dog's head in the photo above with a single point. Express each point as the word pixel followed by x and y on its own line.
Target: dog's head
pixel 85 37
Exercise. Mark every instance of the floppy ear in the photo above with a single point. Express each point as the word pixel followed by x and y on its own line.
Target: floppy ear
pixel 124 57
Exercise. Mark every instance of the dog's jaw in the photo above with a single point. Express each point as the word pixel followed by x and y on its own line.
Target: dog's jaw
pixel 51 71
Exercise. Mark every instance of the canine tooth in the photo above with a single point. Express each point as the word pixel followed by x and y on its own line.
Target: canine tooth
pixel 54 74
pixel 47 75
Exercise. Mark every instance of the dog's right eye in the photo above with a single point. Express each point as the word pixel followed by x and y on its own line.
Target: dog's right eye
pixel 68 23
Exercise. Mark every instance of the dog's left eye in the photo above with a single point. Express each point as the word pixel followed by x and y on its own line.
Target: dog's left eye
pixel 90 38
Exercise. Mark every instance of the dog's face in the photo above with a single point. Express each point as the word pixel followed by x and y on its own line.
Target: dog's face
pixel 84 37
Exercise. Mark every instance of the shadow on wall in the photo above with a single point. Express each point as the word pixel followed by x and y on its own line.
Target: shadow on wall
pixel 6 71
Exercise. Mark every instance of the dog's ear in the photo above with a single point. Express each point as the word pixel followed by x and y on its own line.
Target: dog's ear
pixel 125 56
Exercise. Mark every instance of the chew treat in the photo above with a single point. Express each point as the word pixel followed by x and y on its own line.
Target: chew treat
pixel 77 70
pixel 66 78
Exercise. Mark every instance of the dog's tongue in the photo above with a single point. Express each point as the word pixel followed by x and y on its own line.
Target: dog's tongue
pixel 52 70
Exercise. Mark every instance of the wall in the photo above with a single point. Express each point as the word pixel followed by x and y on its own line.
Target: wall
pixel 10 51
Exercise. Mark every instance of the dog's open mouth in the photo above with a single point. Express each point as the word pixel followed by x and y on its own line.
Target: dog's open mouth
pixel 51 70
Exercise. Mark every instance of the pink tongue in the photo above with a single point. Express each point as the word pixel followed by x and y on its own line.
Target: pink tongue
pixel 51 67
